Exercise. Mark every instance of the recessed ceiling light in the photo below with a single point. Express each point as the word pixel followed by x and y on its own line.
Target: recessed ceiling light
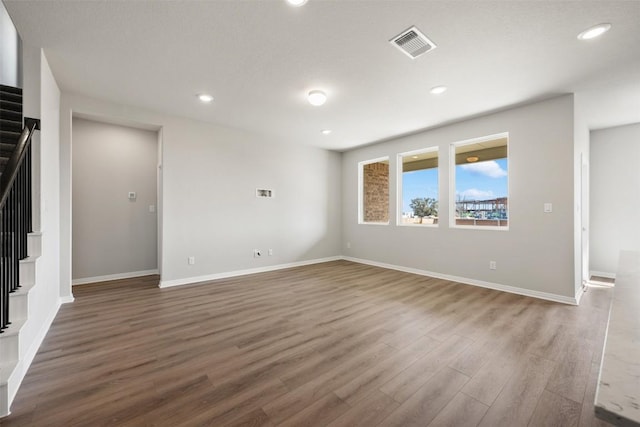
pixel 437 90
pixel 204 97
pixel 296 3
pixel 317 97
pixel 593 32
pixel 325 131
pixel 414 157
pixel 473 159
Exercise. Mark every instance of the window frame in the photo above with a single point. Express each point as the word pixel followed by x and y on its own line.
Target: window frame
pixel 399 180
pixel 452 183
pixel 361 166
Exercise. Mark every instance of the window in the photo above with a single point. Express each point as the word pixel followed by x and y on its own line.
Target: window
pixel 374 191
pixel 418 187
pixel 480 183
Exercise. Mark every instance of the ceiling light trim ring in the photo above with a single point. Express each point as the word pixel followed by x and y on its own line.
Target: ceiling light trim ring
pixel 594 32
pixel 317 97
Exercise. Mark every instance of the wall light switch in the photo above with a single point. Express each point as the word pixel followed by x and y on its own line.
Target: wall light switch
pixel 132 195
pixel 548 208
pixel 152 208
pixel 191 260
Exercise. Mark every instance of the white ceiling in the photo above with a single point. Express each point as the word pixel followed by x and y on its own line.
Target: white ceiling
pixel 260 58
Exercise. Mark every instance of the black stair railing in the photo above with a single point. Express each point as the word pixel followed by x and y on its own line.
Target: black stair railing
pixel 15 216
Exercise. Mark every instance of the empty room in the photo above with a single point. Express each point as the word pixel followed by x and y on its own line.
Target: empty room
pixel 319 213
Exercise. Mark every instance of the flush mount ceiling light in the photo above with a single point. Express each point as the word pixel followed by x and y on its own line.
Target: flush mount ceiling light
pixel 317 97
pixel 473 159
pixel 325 131
pixel 296 3
pixel 593 32
pixel 414 157
pixel 204 97
pixel 437 90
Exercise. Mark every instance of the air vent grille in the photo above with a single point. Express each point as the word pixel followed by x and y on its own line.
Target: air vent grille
pixel 413 42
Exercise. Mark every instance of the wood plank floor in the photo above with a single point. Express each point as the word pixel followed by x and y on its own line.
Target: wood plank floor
pixel 334 344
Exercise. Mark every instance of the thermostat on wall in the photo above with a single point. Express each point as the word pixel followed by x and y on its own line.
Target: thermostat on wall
pixel 264 193
pixel 132 195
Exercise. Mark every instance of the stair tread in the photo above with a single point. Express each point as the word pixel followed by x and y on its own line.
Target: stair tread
pixel 11 106
pixel 10 89
pixel 6 369
pixel 8 123
pixel 5 111
pixel 8 102
pixel 22 290
pixel 14 97
pixel 13 329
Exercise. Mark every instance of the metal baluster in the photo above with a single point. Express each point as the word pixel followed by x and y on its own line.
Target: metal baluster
pixel 4 291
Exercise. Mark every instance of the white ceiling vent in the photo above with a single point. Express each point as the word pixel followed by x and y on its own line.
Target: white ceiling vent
pixel 413 43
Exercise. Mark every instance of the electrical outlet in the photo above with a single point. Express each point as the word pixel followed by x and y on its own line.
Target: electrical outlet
pixel 270 252
pixel 492 265
pixel 257 253
pixel 191 260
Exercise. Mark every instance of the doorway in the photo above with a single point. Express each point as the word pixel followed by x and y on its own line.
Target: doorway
pixel 115 201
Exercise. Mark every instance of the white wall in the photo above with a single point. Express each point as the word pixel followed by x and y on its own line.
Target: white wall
pixel 9 51
pixel 112 234
pixel 209 177
pixel 536 254
pixel 42 100
pixel 615 200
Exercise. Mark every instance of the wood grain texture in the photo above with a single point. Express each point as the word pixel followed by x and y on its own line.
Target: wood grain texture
pixel 339 344
pixel 461 411
pixel 555 411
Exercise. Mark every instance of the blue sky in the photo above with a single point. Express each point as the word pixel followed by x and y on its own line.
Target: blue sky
pixel 482 180
pixel 474 181
pixel 421 183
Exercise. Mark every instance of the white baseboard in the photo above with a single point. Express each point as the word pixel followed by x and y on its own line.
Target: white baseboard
pixel 23 365
pixel 118 276
pixel 66 300
pixel 210 277
pixel 602 274
pixel 467 281
pixel 496 286
pixel 579 293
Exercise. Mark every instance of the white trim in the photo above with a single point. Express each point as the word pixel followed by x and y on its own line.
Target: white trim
pixel 66 299
pixel 580 293
pixel 216 276
pixel 129 275
pixel 480 227
pixel 473 282
pixel 602 274
pixel 24 363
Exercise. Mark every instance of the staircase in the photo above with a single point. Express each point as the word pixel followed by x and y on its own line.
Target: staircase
pixel 10 122
pixel 19 246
